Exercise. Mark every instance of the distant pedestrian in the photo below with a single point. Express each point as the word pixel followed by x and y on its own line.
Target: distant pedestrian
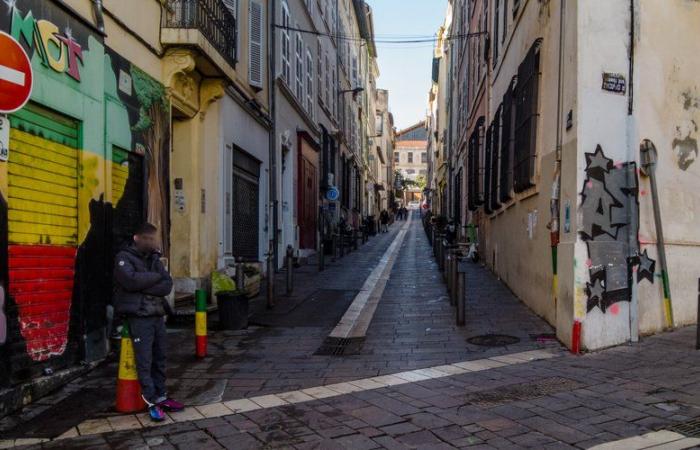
pixel 404 213
pixel 141 284
pixel 384 220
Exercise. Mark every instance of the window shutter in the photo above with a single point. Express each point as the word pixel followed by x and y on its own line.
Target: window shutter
pixel 255 51
pixel 232 5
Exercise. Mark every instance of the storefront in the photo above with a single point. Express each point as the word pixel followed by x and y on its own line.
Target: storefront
pixel 88 159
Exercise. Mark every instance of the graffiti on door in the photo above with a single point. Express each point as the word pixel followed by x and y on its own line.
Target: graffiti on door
pixel 609 226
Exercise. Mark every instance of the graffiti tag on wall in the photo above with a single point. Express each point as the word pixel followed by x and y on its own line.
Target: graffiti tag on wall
pixel 610 215
pixel 61 52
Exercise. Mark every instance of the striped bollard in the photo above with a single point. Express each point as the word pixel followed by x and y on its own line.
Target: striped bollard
pixel 129 398
pixel 200 322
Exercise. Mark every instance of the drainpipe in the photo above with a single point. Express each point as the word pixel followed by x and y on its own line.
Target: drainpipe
pixel 648 154
pixel 99 18
pixel 633 240
pixel 555 201
pixel 274 203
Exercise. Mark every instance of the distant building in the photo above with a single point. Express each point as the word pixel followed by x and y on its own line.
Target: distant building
pixel 411 158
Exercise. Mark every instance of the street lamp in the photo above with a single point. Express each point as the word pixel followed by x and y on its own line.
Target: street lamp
pixel 354 91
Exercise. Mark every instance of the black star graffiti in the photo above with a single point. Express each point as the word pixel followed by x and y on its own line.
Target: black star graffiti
pixel 597 164
pixel 647 267
pixel 595 295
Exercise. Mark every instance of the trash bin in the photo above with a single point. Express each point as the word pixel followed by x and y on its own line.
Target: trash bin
pixel 233 310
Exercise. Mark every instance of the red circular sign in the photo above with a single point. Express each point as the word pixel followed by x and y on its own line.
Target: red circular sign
pixel 15 75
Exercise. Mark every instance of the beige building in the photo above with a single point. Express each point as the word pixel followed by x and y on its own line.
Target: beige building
pixel 552 168
pixel 411 159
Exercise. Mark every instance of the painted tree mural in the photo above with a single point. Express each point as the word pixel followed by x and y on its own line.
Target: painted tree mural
pixel 154 127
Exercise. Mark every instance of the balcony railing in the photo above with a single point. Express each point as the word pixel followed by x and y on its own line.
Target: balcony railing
pixel 211 17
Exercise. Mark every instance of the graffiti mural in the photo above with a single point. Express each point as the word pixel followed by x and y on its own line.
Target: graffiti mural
pixel 57 219
pixel 609 216
pixel 145 166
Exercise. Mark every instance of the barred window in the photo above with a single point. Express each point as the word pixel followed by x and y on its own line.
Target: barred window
pixel 488 157
pixel 457 196
pixel 507 133
pixel 494 200
pixel 475 160
pixel 526 115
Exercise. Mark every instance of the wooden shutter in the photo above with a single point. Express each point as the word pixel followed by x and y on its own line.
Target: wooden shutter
pixel 255 50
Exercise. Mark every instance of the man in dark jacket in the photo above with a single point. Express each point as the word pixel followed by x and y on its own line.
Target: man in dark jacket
pixel 141 284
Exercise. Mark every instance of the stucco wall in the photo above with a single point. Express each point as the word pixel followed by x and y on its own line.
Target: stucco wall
pixel 667 111
pixel 515 240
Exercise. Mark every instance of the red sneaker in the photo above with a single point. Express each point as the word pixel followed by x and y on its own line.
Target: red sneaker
pixel 171 405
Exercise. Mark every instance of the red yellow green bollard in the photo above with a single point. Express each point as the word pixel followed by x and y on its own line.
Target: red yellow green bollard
pixel 128 389
pixel 200 322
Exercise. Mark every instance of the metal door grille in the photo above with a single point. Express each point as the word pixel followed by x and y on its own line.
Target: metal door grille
pixel 246 195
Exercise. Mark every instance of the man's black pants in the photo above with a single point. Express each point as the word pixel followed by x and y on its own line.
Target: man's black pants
pixel 148 335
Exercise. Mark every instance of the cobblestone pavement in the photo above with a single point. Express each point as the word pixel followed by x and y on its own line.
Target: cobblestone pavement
pixel 561 402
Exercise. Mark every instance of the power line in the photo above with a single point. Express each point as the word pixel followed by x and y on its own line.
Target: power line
pixel 386 40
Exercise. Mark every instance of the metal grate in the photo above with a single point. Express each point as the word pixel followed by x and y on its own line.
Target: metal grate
pixel 340 346
pixel 245 216
pixel 523 391
pixel 689 429
pixel 493 340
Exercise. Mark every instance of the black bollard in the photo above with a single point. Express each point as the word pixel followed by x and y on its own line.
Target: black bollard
pixel 321 257
pixel 289 261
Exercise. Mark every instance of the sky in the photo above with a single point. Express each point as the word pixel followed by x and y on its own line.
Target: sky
pixel 405 69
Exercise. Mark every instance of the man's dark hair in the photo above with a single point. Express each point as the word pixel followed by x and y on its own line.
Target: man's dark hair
pixel 145 228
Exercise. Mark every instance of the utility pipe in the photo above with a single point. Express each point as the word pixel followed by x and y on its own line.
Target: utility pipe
pixel 633 239
pixel 648 156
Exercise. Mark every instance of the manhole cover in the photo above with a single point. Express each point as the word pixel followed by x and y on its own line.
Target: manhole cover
pixel 340 346
pixel 690 428
pixel 493 340
pixel 522 391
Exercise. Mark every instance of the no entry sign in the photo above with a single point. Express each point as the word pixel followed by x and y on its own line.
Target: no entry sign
pixel 15 75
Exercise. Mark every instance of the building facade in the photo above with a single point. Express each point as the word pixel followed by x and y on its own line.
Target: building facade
pixel 226 135
pixel 551 129
pixel 411 161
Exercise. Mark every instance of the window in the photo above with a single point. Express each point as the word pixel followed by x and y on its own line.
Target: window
pixel 507 128
pixel 516 6
pixel 457 196
pixel 320 71
pixel 299 67
pixel 256 58
pixel 488 155
pixel 526 114
pixel 475 157
pixel 494 200
pixel 496 21
pixel 309 82
pixel 423 172
pixel 504 30
pixel 411 171
pixel 410 157
pixel 285 47
pixel 397 157
pixel 354 72
pixel 327 88
pixel 424 157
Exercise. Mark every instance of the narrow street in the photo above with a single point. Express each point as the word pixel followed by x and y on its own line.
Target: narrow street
pixel 415 383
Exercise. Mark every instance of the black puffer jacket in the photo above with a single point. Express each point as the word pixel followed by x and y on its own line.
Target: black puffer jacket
pixel 141 284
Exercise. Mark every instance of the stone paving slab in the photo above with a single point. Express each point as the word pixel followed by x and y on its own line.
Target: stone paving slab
pixel 415 382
